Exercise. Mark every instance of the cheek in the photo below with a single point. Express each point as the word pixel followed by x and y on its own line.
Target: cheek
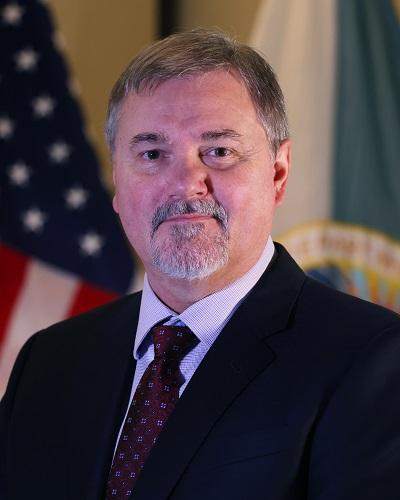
pixel 135 206
pixel 251 206
pixel 131 208
pixel 248 194
pixel 127 192
pixel 135 222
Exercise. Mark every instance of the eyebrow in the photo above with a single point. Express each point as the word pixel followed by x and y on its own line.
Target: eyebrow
pixel 160 138
pixel 218 134
pixel 154 137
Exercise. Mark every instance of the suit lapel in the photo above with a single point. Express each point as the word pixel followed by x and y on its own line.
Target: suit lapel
pixel 100 396
pixel 239 354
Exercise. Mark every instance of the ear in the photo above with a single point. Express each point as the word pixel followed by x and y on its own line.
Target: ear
pixel 114 200
pixel 281 170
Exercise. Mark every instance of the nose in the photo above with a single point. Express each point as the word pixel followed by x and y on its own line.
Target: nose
pixel 190 178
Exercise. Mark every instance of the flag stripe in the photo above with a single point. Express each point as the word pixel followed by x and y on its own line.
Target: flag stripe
pixel 45 297
pixel 88 297
pixel 13 268
pixel 367 185
pixel 302 52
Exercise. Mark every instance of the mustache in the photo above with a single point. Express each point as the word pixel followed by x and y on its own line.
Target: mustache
pixel 181 207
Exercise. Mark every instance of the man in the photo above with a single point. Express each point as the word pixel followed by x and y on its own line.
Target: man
pixel 232 375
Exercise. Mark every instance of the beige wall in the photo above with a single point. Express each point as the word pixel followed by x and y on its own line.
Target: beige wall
pixel 100 37
pixel 234 16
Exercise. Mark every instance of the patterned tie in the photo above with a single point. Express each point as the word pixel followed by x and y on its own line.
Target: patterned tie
pixel 152 404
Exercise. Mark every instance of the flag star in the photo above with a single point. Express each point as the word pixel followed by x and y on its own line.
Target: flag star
pixel 76 197
pixel 91 244
pixel 19 174
pixel 26 59
pixel 12 14
pixel 59 152
pixel 6 127
pixel 33 220
pixel 43 106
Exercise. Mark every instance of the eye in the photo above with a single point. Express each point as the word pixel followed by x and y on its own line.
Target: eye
pixel 220 157
pixel 220 152
pixel 153 154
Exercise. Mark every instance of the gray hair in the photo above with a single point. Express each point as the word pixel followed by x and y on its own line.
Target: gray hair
pixel 197 52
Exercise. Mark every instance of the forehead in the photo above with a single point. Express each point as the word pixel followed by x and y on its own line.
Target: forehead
pixel 218 94
pixel 218 99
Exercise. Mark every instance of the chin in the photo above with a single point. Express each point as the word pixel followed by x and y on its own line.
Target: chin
pixel 190 252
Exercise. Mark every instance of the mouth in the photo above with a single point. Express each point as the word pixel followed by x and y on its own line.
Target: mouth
pixel 192 217
pixel 189 212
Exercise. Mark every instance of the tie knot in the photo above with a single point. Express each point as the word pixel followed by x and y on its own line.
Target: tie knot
pixel 173 342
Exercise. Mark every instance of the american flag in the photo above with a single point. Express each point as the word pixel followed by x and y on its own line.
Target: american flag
pixel 61 248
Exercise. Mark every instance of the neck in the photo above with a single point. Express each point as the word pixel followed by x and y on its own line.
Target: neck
pixel 179 294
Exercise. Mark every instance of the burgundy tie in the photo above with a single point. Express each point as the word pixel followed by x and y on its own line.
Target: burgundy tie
pixel 152 404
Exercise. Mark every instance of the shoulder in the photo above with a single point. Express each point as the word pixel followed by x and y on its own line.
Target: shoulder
pixel 322 303
pixel 321 321
pixel 80 333
pixel 111 311
pixel 318 303
pixel 337 331
pixel 100 335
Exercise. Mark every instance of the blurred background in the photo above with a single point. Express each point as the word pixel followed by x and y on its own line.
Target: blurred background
pixel 61 251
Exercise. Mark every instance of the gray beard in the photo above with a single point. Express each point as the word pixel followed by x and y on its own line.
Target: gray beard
pixel 190 253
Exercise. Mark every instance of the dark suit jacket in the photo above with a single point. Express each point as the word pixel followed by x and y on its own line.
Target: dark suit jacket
pixel 299 398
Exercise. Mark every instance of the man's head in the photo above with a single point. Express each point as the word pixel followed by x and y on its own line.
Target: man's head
pixel 198 135
pixel 195 53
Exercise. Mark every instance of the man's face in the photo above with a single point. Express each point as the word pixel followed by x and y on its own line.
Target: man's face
pixel 196 182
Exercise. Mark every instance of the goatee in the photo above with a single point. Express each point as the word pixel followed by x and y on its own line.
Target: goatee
pixel 190 252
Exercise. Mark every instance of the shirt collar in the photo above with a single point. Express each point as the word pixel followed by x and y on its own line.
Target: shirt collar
pixel 207 317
